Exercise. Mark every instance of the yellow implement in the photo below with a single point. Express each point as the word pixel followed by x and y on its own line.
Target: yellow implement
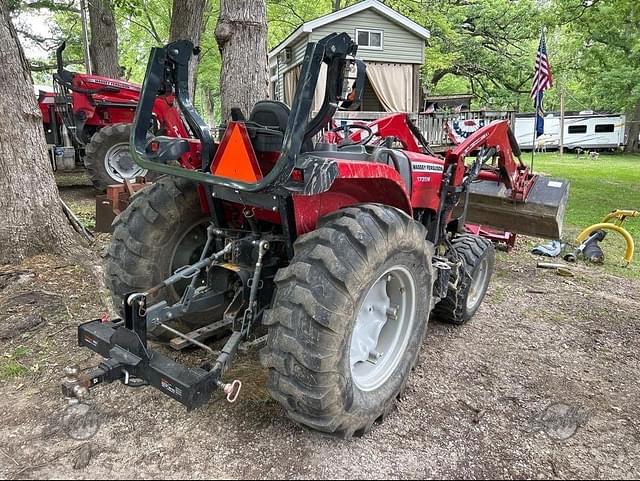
pixel 618 217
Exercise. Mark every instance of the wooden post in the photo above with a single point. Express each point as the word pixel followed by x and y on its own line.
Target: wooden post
pixel 561 121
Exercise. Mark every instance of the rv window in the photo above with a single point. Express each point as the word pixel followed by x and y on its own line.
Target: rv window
pixel 601 128
pixel 577 129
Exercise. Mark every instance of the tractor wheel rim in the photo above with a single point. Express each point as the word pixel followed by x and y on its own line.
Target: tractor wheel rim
pixel 383 328
pixel 188 251
pixel 478 284
pixel 119 164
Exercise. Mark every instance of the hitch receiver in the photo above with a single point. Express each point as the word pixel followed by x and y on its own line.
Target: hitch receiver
pixel 123 344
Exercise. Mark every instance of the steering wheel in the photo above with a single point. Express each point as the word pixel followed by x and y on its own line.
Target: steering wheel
pixel 349 127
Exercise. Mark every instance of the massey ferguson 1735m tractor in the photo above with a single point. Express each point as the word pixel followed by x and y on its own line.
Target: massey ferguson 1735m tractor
pixel 340 250
pixel 89 118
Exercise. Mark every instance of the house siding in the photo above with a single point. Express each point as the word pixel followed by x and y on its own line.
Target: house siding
pixel 298 50
pixel 399 44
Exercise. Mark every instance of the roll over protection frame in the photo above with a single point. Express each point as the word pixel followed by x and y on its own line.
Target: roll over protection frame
pixel 168 70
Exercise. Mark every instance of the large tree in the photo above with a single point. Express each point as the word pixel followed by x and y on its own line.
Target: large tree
pixel 32 216
pixel 187 20
pixel 242 39
pixel 606 56
pixel 104 39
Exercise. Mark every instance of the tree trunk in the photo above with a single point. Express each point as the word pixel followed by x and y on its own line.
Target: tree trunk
pixel 335 5
pixel 633 145
pixel 32 218
pixel 242 39
pixel 104 39
pixel 187 20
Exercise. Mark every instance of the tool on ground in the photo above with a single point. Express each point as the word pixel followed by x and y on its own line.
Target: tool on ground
pixel 614 222
pixel 561 269
pixel 340 249
pixel 589 249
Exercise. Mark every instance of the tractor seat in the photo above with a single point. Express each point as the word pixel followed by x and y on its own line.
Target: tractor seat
pixel 275 116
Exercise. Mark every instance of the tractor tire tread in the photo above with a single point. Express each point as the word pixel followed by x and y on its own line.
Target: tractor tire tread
pixel 308 319
pixel 471 249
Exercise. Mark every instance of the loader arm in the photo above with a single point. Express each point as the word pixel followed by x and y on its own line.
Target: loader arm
pixel 499 137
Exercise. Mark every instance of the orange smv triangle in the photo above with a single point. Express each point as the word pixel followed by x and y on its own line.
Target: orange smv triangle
pixel 235 158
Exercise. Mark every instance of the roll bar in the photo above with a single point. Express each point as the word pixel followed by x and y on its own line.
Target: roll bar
pixel 167 71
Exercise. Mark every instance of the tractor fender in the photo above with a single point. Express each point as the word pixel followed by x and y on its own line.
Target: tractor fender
pixel 357 183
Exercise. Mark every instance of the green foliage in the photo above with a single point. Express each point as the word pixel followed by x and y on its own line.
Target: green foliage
pixel 605 51
pixel 482 46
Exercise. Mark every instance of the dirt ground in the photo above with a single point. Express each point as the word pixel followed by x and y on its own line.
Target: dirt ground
pixel 542 383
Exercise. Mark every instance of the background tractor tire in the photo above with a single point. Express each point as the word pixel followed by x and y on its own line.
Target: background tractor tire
pixel 339 275
pixel 163 228
pixel 108 159
pixel 478 257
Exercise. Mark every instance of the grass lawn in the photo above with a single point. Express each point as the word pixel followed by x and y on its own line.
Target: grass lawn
pixel 598 187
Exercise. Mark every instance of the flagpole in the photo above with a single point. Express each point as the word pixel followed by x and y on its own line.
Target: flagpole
pixel 535 131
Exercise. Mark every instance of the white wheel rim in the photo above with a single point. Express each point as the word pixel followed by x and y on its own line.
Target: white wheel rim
pixel 119 164
pixel 383 328
pixel 478 283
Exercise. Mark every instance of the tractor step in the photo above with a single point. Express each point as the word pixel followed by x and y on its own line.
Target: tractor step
pixel 540 215
pixel 200 335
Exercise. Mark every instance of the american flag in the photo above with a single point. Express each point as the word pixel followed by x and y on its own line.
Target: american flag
pixel 542 80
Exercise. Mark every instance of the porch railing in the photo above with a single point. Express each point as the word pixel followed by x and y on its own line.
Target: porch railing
pixel 432 125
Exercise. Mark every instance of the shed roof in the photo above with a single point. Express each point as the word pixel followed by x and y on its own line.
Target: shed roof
pixel 375 5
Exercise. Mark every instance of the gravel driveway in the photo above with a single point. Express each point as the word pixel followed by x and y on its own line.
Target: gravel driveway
pixel 542 383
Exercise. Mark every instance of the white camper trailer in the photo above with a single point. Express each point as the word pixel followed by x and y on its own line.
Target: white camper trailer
pixel 585 130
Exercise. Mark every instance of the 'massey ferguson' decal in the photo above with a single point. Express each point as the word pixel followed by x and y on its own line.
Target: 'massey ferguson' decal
pixel 426 167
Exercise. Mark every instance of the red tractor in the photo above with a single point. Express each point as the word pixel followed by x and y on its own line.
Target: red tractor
pixel 339 251
pixel 90 118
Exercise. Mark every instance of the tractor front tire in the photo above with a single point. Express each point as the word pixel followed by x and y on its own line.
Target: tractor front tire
pixel 162 229
pixel 478 260
pixel 108 159
pixel 348 319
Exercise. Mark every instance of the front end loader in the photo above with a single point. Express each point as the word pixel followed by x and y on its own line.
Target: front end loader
pixel 339 248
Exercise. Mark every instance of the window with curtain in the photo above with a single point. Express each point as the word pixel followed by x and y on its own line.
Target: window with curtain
pixel 369 39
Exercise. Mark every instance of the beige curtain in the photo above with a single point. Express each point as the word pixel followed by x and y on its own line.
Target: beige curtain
pixel 393 84
pixel 318 97
pixel 290 84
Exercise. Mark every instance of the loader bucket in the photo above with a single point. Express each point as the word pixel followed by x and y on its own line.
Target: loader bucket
pixel 540 215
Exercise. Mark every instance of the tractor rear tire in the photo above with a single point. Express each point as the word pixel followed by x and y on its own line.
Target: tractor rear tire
pixel 108 160
pixel 337 283
pixel 163 228
pixel 478 260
